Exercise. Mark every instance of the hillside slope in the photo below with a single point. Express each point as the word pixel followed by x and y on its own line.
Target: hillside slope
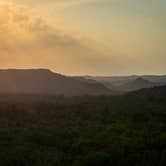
pixel 42 81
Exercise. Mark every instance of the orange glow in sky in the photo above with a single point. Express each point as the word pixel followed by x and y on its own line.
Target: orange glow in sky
pixel 77 37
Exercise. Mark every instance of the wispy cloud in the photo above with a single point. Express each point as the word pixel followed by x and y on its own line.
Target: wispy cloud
pixel 28 40
pixel 70 3
pixel 16 24
pixel 62 2
pixel 56 4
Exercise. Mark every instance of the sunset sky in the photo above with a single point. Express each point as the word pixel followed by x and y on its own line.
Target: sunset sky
pixel 84 37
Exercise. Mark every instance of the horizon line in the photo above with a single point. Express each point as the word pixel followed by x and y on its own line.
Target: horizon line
pixel 83 75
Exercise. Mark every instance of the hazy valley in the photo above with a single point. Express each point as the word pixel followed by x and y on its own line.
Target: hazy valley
pixel 46 82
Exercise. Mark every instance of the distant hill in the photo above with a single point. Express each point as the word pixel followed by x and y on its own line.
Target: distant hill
pixel 85 79
pixel 116 79
pixel 43 81
pixel 130 83
pixel 149 95
pixel 137 84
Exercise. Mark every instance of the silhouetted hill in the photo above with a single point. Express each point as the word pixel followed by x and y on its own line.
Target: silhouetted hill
pixel 42 81
pixel 137 84
pixel 130 83
pixel 122 79
pixel 153 95
pixel 85 80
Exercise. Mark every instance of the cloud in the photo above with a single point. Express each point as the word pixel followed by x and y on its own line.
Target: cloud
pixel 70 3
pixel 62 3
pixel 18 28
pixel 56 5
pixel 29 41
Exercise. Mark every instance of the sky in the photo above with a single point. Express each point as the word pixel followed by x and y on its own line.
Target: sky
pixel 84 37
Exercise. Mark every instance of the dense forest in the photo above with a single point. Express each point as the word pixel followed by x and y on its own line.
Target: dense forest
pixel 126 130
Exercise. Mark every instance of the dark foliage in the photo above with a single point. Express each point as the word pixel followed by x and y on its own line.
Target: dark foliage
pixel 125 130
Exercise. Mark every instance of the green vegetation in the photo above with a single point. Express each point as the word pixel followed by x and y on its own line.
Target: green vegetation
pixel 83 131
